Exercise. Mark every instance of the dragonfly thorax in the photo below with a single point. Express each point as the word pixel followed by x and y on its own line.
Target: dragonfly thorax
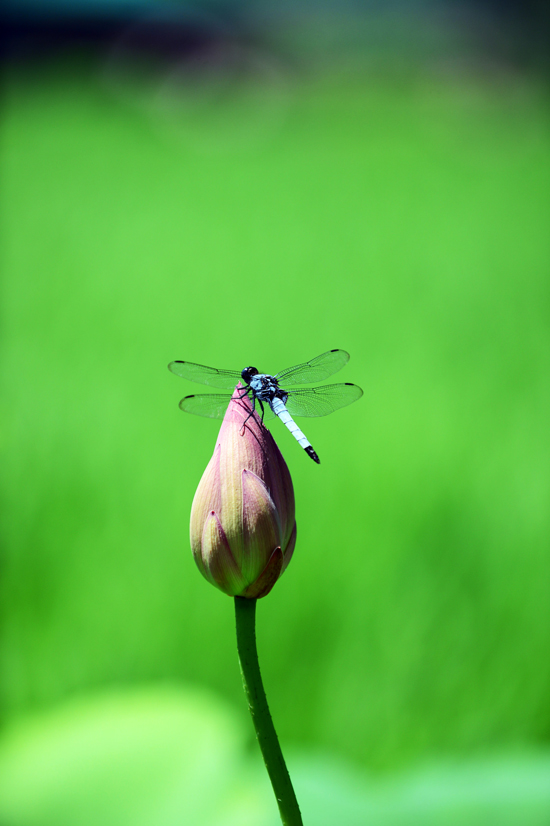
pixel 264 386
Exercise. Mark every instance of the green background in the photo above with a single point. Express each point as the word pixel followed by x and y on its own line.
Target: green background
pixel 403 220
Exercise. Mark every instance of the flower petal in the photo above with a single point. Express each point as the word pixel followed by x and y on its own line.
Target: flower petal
pixel 260 525
pixel 267 579
pixel 289 550
pixel 207 498
pixel 218 563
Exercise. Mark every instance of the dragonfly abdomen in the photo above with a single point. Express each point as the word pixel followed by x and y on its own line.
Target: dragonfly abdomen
pixel 278 407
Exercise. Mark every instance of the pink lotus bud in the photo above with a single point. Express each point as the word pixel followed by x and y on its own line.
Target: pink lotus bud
pixel 243 528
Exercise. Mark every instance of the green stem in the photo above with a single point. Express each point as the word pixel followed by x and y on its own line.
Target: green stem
pixel 245 613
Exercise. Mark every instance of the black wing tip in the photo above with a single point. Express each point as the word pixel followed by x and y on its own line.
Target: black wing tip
pixel 311 453
pixel 181 401
pixel 176 361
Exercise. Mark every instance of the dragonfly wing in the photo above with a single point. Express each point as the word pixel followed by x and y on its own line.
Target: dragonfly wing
pixel 320 401
pixel 318 369
pixel 210 405
pixel 225 379
pixel 268 415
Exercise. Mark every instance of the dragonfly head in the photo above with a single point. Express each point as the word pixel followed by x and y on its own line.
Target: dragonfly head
pixel 247 374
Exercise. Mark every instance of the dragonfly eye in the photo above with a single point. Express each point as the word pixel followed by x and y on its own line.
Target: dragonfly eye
pixel 247 374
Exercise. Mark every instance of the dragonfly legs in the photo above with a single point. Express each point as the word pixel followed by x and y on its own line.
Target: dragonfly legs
pixel 246 391
pixel 253 409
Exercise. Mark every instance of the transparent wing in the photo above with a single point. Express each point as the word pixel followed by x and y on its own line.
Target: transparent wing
pixel 212 406
pixel 320 401
pixel 268 414
pixel 226 379
pixel 318 369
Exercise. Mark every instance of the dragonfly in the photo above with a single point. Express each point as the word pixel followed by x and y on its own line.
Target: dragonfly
pixel 273 391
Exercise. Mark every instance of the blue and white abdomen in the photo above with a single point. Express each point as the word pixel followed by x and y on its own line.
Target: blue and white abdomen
pixel 278 407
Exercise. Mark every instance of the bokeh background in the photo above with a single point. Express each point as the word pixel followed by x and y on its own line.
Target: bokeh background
pixel 235 183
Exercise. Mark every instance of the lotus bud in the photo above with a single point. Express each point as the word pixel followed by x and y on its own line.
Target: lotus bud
pixel 243 527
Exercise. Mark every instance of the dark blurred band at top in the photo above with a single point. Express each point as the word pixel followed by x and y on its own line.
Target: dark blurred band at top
pixel 484 35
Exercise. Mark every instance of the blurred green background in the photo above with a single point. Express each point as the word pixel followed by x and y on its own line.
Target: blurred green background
pixel 264 215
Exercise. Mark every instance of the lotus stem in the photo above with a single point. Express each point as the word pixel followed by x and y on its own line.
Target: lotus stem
pixel 245 614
